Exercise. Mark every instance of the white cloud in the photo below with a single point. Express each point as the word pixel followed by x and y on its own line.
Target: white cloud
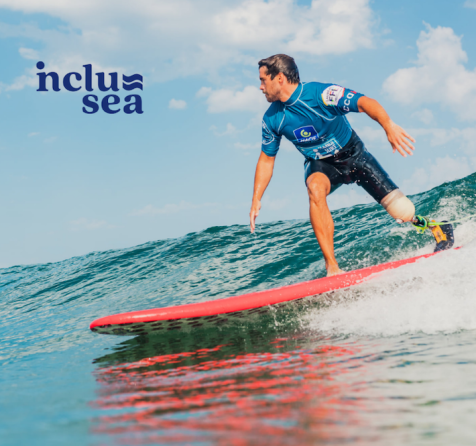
pixel 441 170
pixel 203 92
pixel 28 53
pixel 21 82
pixel 177 104
pixel 165 40
pixel 170 208
pixel 424 115
pixel 249 99
pixel 470 4
pixel 459 139
pixel 326 27
pixel 439 75
pixel 31 134
pixel 460 161
pixel 89 225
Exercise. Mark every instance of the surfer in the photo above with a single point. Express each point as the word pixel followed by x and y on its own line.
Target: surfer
pixel 312 116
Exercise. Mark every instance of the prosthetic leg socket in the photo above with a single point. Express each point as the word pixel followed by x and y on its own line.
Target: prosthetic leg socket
pixel 399 206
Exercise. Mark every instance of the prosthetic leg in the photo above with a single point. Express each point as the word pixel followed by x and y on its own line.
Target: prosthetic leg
pixel 397 204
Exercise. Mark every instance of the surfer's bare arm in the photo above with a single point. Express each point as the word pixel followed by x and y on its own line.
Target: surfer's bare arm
pixel 397 137
pixel 264 172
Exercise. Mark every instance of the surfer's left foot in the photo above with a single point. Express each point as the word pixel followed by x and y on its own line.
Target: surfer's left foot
pixel 333 270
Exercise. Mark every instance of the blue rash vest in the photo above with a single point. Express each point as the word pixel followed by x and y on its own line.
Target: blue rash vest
pixel 313 119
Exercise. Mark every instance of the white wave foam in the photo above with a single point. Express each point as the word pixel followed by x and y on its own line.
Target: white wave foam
pixel 433 296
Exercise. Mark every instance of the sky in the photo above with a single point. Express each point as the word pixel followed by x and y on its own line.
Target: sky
pixel 72 183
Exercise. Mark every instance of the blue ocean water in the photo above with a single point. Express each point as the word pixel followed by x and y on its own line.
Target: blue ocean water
pixel 391 361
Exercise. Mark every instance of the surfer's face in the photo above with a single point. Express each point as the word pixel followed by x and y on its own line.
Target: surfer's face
pixel 270 87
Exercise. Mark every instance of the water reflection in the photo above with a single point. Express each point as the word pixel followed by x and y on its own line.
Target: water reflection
pixel 233 388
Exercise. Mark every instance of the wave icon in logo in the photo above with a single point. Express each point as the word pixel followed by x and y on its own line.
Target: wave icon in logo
pixel 307 133
pixel 136 80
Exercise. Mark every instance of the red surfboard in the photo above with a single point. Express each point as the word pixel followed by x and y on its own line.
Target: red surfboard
pixel 232 309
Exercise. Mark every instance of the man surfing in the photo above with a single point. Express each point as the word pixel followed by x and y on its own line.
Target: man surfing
pixel 312 116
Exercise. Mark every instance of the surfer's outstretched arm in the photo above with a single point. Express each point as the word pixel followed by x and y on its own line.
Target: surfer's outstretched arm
pixel 397 137
pixel 264 172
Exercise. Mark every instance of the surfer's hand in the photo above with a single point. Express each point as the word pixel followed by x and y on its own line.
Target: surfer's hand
pixel 399 139
pixel 255 207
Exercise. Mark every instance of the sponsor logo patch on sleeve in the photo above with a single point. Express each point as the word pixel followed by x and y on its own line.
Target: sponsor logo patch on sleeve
pixel 332 94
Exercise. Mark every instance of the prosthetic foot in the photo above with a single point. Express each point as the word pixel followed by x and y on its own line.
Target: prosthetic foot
pixel 444 236
pixel 442 231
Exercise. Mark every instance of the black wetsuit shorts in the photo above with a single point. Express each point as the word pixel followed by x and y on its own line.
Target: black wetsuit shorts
pixel 353 164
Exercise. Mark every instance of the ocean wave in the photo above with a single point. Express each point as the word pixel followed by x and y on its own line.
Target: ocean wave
pixel 55 302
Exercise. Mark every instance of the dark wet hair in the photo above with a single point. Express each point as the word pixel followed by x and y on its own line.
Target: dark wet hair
pixel 281 63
